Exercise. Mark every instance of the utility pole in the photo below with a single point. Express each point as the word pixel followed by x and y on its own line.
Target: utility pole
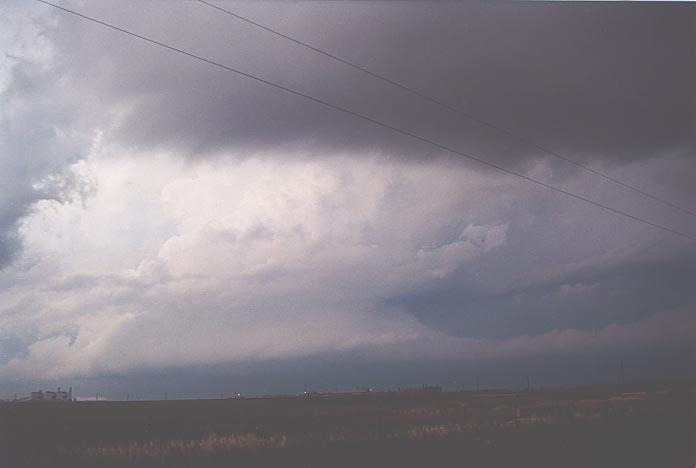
pixel 97 398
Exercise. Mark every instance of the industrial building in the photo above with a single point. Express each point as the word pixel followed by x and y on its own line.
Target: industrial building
pixel 58 395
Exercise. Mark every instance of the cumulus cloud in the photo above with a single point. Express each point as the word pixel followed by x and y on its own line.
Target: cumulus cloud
pixel 156 212
pixel 266 259
pixel 41 138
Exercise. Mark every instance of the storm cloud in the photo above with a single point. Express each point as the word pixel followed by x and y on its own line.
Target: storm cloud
pixel 595 81
pixel 162 215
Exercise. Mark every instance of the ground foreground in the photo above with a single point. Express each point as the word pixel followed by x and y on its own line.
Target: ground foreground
pixel 648 426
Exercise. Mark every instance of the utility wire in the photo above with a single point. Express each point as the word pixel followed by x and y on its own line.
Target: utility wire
pixel 455 110
pixel 371 120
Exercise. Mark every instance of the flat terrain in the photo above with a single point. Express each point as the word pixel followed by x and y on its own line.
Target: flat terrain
pixel 597 427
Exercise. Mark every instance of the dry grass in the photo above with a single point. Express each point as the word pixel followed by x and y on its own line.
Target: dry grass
pixel 211 445
pixel 500 418
pixel 164 433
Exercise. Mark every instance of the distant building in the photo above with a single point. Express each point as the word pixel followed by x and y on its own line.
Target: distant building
pixel 336 393
pixel 432 389
pixel 310 394
pixel 423 389
pixel 58 395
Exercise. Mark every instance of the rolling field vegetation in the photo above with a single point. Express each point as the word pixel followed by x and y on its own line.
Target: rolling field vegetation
pixel 599 427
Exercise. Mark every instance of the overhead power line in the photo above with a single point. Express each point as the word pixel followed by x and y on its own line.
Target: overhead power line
pixel 371 120
pixel 453 109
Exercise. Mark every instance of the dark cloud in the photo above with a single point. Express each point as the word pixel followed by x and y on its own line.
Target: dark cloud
pixel 581 301
pixel 599 363
pixel 36 149
pixel 243 232
pixel 610 82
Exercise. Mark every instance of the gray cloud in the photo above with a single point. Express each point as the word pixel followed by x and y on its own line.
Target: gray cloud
pixel 594 81
pixel 174 216
pixel 36 157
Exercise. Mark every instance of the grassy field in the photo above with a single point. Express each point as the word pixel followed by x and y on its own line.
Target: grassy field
pixel 637 427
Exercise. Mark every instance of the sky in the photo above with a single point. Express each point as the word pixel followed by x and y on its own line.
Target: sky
pixel 166 225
